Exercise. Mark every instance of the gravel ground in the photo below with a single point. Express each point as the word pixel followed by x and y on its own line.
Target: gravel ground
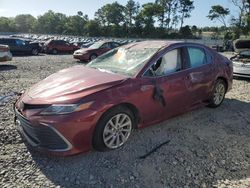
pixel 207 148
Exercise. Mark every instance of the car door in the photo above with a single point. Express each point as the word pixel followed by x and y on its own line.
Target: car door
pixel 170 94
pixel 172 73
pixel 200 75
pixel 62 46
pixel 22 47
pixel 104 48
pixel 12 45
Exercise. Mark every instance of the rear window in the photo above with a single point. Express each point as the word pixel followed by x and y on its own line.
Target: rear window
pixel 197 57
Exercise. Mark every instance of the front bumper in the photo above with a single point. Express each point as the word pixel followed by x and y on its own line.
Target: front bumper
pixel 81 57
pixel 43 136
pixel 60 135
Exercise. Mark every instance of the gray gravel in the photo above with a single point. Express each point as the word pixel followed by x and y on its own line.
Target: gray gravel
pixel 208 147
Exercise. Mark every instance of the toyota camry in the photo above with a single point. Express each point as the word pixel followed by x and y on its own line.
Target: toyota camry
pixel 139 84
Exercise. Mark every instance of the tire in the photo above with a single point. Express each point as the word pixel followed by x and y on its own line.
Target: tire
pixel 108 136
pixel 54 51
pixel 34 51
pixel 92 57
pixel 218 95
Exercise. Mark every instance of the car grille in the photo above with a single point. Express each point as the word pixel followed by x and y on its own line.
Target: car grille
pixel 42 136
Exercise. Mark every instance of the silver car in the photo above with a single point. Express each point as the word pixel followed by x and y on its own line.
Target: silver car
pixel 5 54
pixel 241 60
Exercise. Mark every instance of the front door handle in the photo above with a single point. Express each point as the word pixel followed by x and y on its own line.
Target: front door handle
pixel 146 87
pixel 188 77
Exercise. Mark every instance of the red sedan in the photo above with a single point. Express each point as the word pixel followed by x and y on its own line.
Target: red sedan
pixel 95 50
pixel 136 85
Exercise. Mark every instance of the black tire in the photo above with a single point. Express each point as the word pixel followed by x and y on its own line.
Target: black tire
pixel 98 140
pixel 92 57
pixel 213 103
pixel 54 51
pixel 34 51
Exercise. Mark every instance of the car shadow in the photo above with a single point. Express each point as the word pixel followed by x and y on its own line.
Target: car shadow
pixel 4 67
pixel 206 146
pixel 241 78
pixel 27 55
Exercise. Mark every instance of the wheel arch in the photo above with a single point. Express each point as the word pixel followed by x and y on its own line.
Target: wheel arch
pixel 225 80
pixel 129 106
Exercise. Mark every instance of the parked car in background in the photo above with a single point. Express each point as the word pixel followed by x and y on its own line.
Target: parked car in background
pixel 19 46
pixel 5 54
pixel 241 60
pixel 59 46
pixel 133 86
pixel 95 50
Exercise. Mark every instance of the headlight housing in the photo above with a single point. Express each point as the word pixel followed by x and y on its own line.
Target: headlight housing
pixel 66 108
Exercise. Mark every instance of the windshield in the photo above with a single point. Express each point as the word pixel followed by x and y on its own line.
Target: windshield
pixel 96 45
pixel 127 61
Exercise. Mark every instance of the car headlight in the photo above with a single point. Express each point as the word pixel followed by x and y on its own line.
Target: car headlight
pixel 66 108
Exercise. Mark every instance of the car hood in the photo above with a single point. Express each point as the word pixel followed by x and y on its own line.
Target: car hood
pixel 71 84
pixel 84 50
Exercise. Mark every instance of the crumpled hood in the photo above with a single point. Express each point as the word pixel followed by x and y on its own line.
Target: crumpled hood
pixel 74 82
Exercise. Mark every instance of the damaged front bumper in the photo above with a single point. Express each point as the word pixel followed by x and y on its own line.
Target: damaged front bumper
pixel 43 136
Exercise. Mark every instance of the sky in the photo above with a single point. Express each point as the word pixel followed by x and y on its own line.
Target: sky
pixel 11 8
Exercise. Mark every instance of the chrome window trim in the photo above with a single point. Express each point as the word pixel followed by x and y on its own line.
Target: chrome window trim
pixel 182 70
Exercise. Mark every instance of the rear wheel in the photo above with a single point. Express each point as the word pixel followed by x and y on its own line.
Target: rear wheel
pixel 113 129
pixel 34 51
pixel 54 51
pixel 218 94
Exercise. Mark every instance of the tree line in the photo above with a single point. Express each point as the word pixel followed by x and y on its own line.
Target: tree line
pixel 161 19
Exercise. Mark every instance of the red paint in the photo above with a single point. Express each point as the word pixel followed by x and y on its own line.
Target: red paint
pixel 183 91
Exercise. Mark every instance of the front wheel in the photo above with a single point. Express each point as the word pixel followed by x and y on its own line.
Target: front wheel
pixel 218 94
pixel 92 57
pixel 113 129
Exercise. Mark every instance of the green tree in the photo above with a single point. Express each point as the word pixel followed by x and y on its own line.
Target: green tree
pixel 131 11
pixel 186 32
pixel 7 24
pixel 219 13
pixel 25 23
pixel 148 14
pixel 185 8
pixel 110 14
pixel 167 12
pixel 92 28
pixel 52 23
pixel 75 24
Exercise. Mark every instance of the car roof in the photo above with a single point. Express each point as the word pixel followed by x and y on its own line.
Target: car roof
pixel 150 44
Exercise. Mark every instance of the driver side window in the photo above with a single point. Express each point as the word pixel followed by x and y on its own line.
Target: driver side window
pixel 167 64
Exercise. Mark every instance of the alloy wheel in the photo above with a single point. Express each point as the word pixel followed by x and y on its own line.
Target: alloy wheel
pixel 219 93
pixel 117 130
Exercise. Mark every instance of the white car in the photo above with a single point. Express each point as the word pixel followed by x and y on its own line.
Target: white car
pixel 5 54
pixel 241 60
